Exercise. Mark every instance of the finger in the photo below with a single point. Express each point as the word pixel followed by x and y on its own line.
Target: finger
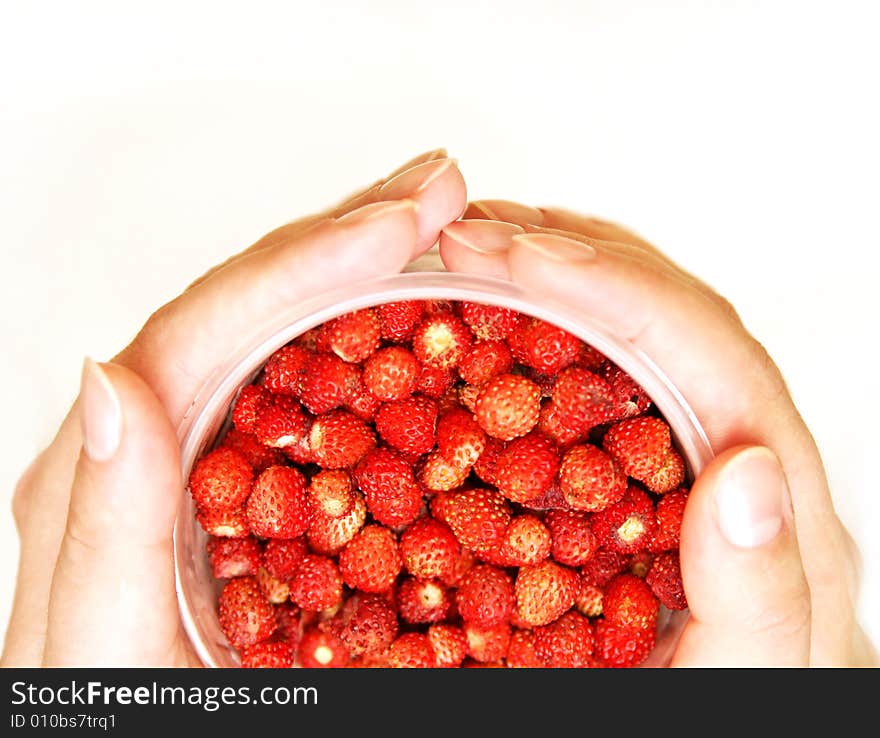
pixel 112 600
pixel 745 584
pixel 506 210
pixel 478 246
pixel 566 220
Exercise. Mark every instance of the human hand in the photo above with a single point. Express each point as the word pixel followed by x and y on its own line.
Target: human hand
pixel 769 571
pixel 95 510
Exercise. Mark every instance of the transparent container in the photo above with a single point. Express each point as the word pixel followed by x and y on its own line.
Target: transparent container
pixel 208 415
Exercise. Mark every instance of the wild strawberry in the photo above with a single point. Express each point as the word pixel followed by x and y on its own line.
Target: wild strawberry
pixel 553 425
pixel 460 440
pixel 370 627
pixel 422 600
pixel 411 651
pixel 590 358
pixel 281 422
pixel 301 451
pixel 283 370
pixel 544 591
pixel 466 561
pixel 441 340
pixel 489 322
pixel 526 541
pixel 573 542
pixel 409 424
pixel 467 395
pixel 435 381
pixel 328 535
pixel 485 465
pixel 449 644
pixel 267 655
pixel 628 525
pixel 670 511
pixel 282 557
pixel 309 339
pixel 317 583
pixel 327 382
pixel 640 562
pixel 251 399
pixel 485 596
pixel 629 397
pixel 278 506
pixel 543 346
pixel 590 479
pixel 276 590
pixel 566 643
pixel 484 360
pixel 246 616
pixel 362 402
pixel 603 567
pixel 526 468
pixel 552 499
pixel 640 445
pixel 589 599
pixel 331 493
pixel 629 603
pixel 353 336
pixel 508 406
pixel 622 647
pixel 391 373
pixel 224 523
pixel 581 399
pixel 669 476
pixel 289 620
pixel 258 456
pixel 487 643
pixel 398 320
pixel 521 653
pixel 477 517
pixel 371 561
pixel 440 474
pixel 339 440
pixel 319 649
pixel 221 480
pixel 664 579
pixel 429 549
pixel 234 557
pixel 393 497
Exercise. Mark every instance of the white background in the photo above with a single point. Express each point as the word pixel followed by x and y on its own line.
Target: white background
pixel 142 142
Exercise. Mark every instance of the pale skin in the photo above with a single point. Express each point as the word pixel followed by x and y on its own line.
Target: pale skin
pixel 768 583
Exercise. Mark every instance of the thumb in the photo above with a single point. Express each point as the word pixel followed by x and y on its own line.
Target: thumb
pixel 112 600
pixel 745 584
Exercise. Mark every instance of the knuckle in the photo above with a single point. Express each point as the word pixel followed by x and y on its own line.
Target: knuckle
pixel 784 621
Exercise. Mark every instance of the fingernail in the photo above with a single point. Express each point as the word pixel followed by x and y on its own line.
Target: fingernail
pixel 415 179
pixel 432 155
pixel 482 236
pixel 511 212
pixel 557 248
pixel 100 413
pixel 751 498
pixel 377 210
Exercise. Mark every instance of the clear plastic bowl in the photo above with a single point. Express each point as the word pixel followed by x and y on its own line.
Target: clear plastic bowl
pixel 208 416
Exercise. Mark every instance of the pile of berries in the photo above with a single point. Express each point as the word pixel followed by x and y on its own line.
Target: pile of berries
pixel 439 484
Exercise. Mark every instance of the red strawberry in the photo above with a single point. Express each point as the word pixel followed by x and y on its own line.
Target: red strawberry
pixel 669 476
pixel 429 549
pixel 554 425
pixel 589 599
pixel 543 346
pixel 640 445
pixel 320 649
pixel 281 422
pixel 301 451
pixel 267 655
pixel 460 440
pixel 258 456
pixel 339 440
pixel 434 381
pixel 251 399
pixel 544 591
pixel 411 651
pixel 640 562
pixel 622 647
pixel 485 465
pixel 603 567
pixel 581 399
pixel 525 469
pixel 590 479
pixel 440 474
pixel 224 523
pixel 566 643
pixel 508 406
pixel 276 590
pixel 521 653
pixel 362 402
pixel 629 397
pixel 485 596
pixel 371 561
pixel 422 600
pixel 552 499
pixel 477 517
pixel 353 336
pixel 289 622
pixel 409 424
pixel 573 541
pixel 449 644
pixel 489 322
pixel 398 320
pixel 234 557
pixel 246 616
pixel 326 382
pixel 393 497
pixel 664 579
pixel 487 643
pixel 484 360
pixel 441 340
pixel 283 370
pixel 465 562
pixel 278 506
pixel 283 556
pixel 391 373
pixel 331 493
pixel 629 603
pixel 670 511
pixel 317 584
pixel 328 535
pixel 370 627
pixel 526 541
pixel 590 358
pixel 626 526
pixel 221 480
pixel 467 396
